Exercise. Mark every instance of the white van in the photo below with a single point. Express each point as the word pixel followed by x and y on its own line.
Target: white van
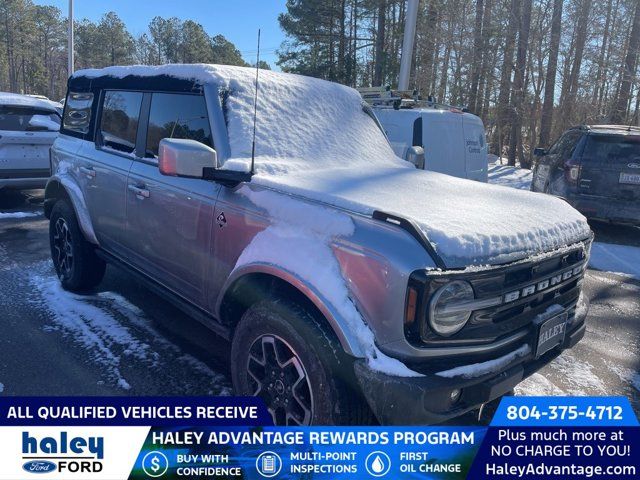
pixel 454 141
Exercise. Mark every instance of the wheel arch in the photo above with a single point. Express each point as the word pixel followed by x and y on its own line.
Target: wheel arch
pixel 60 187
pixel 250 283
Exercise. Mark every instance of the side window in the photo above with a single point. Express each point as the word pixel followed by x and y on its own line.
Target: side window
pixel 565 145
pixel 175 115
pixel 77 114
pixel 119 120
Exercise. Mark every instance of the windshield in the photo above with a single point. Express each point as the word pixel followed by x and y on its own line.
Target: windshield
pixel 610 148
pixel 302 123
pixel 28 119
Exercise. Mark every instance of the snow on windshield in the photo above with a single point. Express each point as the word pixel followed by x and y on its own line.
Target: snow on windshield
pixel 303 123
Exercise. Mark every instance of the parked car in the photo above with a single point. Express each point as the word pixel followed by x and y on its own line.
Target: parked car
pixel 453 140
pixel 347 281
pixel 28 127
pixel 596 168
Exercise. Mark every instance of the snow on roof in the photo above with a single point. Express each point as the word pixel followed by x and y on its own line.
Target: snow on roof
pixel 15 99
pixel 314 139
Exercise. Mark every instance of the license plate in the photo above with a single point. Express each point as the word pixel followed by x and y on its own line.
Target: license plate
pixel 632 178
pixel 551 333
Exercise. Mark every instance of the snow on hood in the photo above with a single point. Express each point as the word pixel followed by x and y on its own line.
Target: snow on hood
pixel 314 139
pixel 15 100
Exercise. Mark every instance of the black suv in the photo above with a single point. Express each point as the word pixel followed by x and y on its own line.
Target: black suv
pixel 596 169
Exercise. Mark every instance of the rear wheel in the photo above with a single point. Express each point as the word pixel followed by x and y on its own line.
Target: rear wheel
pixel 283 355
pixel 74 259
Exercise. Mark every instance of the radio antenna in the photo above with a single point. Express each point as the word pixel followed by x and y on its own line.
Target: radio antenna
pixel 255 109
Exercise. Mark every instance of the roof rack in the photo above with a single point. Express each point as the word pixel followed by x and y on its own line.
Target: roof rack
pixel 386 97
pixel 625 128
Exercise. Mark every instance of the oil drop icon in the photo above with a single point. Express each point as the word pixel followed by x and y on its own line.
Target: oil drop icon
pixel 378 464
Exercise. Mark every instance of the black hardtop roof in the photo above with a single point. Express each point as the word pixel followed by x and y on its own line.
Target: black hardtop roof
pixel 163 83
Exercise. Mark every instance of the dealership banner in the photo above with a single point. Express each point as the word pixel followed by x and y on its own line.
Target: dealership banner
pixel 231 437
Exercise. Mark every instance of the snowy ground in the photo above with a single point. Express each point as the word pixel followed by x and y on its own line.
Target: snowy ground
pixel 124 340
pixel 510 176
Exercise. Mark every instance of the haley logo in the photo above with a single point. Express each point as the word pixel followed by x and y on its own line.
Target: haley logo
pixel 39 466
pixel 65 453
pixel 633 165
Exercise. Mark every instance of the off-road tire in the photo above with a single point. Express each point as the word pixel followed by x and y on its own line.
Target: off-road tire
pixel 74 258
pixel 332 394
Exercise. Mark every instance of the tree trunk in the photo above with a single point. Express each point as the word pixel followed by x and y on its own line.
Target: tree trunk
pixel 505 76
pixel 552 70
pixel 379 59
pixel 620 111
pixel 518 83
pixel 601 58
pixel 574 76
pixel 477 56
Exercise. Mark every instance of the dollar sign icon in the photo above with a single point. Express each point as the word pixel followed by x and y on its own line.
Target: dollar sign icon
pixel 155 464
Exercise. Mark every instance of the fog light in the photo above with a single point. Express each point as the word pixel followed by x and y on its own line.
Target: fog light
pixel 455 395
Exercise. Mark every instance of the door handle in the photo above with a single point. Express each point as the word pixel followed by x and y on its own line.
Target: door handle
pixel 88 171
pixel 140 192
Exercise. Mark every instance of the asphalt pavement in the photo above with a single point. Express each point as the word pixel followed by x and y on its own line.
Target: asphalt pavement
pixel 125 340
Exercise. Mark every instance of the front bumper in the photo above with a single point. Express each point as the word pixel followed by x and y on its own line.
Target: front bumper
pixel 426 400
pixel 607 209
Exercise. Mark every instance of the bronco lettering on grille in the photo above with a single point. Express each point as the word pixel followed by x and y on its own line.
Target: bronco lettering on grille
pixel 543 285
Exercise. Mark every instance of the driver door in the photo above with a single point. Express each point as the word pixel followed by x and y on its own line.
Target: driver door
pixel 170 219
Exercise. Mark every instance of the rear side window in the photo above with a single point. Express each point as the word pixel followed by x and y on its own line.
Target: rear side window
pixel 177 116
pixel 565 146
pixel 28 119
pixel 77 113
pixel 119 120
pixel 612 148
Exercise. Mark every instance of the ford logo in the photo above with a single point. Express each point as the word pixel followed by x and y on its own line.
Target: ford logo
pixel 39 466
pixel 634 165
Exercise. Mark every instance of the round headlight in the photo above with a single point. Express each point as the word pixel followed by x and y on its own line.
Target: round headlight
pixel 447 314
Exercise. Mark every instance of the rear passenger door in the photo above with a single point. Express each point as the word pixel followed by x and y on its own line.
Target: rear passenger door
pixel 170 219
pixel 104 167
pixel 549 167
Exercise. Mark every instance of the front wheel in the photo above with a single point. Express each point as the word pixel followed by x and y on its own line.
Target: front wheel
pixel 283 355
pixel 74 259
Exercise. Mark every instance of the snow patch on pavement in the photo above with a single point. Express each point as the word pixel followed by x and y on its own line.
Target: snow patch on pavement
pixel 537 385
pixel 626 374
pixel 579 375
pixel 8 215
pixel 622 259
pixel 95 322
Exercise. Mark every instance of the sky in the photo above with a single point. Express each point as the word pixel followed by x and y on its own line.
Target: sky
pixel 237 20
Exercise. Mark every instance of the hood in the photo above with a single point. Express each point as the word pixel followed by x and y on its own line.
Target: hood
pixel 468 223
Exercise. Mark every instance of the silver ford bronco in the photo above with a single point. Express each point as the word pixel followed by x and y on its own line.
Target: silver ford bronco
pixel 352 286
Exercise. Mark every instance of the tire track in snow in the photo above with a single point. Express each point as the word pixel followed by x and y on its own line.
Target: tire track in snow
pixel 118 336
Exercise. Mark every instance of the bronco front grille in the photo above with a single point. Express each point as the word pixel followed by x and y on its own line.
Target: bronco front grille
pixel 513 317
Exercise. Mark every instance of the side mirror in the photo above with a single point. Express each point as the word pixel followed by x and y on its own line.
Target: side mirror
pixel 178 157
pixel 539 152
pixel 415 155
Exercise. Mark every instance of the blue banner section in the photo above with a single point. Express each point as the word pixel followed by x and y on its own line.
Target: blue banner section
pixel 311 452
pixel 133 411
pixel 565 411
pixel 559 438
